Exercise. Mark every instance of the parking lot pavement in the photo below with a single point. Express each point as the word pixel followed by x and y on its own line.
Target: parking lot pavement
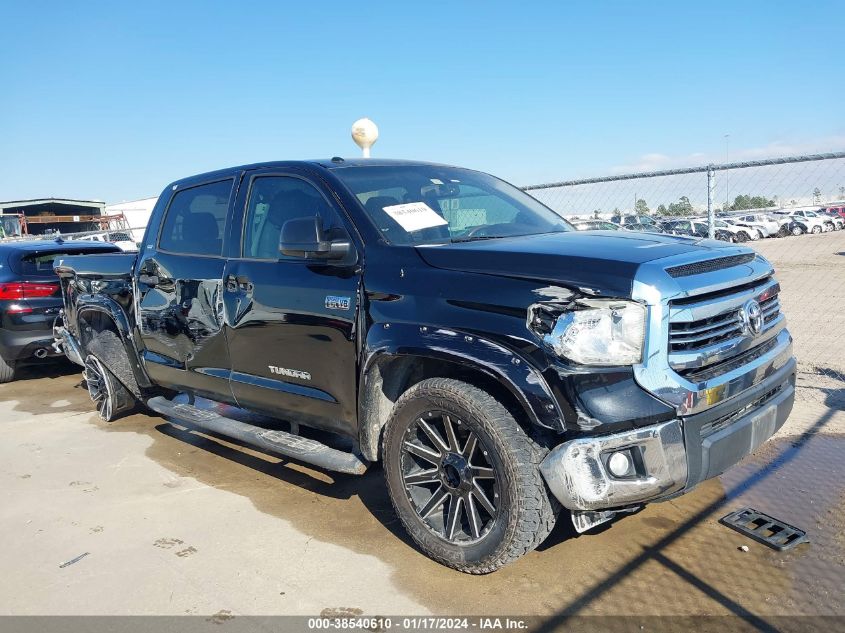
pixel 811 270
pixel 176 522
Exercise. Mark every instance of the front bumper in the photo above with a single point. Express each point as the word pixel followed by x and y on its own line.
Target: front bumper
pixel 672 457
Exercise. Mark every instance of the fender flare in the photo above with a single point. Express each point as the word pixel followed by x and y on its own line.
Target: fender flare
pixel 114 311
pixel 508 368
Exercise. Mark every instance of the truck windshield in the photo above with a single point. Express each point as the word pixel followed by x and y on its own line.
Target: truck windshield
pixel 421 204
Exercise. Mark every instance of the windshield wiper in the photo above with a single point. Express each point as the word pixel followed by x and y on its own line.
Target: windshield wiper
pixel 456 240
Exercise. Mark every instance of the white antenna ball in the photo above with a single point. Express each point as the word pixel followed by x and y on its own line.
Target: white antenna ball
pixel 365 134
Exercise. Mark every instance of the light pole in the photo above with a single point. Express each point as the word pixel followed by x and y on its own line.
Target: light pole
pixel 727 160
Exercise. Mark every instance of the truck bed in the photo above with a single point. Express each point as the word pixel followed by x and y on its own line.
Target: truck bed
pixel 109 266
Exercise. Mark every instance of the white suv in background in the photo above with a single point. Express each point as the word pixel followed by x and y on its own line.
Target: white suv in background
pixel 813 220
pixel 742 232
pixel 769 225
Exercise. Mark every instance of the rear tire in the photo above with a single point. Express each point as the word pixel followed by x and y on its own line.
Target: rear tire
pixel 109 349
pixel 797 230
pixel 7 370
pixel 742 237
pixel 109 396
pixel 816 230
pixel 108 376
pixel 469 490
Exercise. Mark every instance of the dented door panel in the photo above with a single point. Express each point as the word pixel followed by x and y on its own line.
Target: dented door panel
pixel 181 322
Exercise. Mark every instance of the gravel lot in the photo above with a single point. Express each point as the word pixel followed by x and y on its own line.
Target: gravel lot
pixel 177 522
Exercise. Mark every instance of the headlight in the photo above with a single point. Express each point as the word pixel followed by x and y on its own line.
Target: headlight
pixel 600 332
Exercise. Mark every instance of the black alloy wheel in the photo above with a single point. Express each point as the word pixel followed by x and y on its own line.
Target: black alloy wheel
pixel 448 479
pixel 99 387
pixel 109 396
pixel 464 477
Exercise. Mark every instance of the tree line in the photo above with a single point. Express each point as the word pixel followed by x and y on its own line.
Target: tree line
pixel 683 206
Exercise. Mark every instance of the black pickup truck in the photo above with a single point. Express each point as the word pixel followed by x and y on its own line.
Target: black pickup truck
pixel 501 365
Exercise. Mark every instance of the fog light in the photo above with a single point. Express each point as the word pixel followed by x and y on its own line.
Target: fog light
pixel 620 464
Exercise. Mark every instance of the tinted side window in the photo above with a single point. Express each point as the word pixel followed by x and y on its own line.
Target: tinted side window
pixel 40 264
pixel 195 220
pixel 273 200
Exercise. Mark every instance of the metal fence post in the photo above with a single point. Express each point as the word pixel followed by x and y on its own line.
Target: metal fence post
pixel 711 218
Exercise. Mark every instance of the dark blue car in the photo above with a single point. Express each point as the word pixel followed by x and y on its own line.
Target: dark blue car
pixel 30 298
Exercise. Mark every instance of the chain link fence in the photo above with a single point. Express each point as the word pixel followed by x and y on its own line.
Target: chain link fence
pixel 790 209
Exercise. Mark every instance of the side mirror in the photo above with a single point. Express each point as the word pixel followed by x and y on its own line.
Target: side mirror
pixel 304 237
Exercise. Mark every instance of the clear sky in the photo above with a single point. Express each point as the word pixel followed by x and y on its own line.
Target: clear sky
pixel 112 100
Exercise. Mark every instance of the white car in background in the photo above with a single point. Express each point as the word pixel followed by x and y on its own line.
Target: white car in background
pixel 815 222
pixel 838 220
pixel 122 239
pixel 722 230
pixel 769 225
pixel 742 230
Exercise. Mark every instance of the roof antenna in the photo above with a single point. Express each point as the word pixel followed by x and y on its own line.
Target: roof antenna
pixel 365 134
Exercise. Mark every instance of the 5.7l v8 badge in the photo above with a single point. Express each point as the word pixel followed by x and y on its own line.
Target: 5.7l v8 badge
pixel 337 303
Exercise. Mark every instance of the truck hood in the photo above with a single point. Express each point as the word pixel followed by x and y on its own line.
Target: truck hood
pixel 600 260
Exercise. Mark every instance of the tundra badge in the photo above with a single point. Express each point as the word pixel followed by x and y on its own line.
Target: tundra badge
pixel 290 373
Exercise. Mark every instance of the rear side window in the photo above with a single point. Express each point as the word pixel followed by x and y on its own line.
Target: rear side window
pixel 41 264
pixel 195 220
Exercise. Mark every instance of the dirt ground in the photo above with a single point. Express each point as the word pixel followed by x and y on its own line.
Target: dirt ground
pixel 176 522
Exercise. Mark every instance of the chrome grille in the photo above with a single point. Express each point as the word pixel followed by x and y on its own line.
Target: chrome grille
pixel 708 330
pixel 695 335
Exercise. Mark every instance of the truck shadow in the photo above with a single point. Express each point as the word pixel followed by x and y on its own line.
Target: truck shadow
pixel 368 488
pixel 50 369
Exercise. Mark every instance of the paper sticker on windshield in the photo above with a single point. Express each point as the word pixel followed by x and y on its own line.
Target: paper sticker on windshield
pixel 414 216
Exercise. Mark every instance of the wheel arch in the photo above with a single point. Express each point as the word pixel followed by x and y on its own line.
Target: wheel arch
pixel 399 357
pixel 96 314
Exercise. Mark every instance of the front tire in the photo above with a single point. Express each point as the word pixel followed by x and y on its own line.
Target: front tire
pixel 742 237
pixel 7 370
pixel 464 478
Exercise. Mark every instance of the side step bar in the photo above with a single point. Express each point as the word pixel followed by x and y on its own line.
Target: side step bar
pixel 272 441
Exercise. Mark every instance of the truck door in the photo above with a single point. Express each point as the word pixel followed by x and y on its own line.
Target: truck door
pixel 291 321
pixel 179 279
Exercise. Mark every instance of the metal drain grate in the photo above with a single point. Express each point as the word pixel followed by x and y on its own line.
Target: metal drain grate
pixel 765 529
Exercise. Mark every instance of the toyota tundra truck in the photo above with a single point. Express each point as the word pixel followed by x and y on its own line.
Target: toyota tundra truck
pixel 503 367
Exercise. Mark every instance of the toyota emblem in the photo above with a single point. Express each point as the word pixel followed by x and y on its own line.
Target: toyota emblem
pixel 751 316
